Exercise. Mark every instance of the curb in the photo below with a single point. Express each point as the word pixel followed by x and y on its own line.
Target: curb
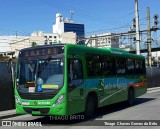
pixel 8 113
pixel 155 88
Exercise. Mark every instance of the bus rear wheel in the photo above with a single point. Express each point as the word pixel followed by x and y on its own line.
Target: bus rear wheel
pixel 131 97
pixel 90 106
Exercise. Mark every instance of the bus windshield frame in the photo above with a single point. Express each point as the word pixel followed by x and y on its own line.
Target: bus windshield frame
pixel 40 75
pixel 40 70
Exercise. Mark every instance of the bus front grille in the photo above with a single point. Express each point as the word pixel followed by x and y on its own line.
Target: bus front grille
pixel 37 96
pixel 41 110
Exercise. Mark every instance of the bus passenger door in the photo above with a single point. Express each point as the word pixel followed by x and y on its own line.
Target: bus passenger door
pixel 76 86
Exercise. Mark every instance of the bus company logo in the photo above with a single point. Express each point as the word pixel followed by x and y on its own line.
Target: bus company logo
pixel 43 103
pixel 35 103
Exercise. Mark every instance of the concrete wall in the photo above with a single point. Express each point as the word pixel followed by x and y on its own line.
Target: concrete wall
pixel 68 37
pixel 6 88
pixel 153 77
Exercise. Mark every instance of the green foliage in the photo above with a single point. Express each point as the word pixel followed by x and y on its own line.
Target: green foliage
pixel 34 44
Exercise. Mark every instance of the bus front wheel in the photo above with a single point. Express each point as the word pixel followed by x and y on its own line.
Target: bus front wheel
pixel 90 107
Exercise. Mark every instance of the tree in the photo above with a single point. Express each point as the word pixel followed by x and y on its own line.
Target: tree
pixel 34 44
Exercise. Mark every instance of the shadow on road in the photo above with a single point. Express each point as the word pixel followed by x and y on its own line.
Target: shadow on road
pixel 79 118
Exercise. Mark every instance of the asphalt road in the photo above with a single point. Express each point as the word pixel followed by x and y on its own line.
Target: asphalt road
pixel 147 108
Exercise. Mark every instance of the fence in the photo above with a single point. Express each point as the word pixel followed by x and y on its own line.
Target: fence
pixel 153 76
pixel 7 100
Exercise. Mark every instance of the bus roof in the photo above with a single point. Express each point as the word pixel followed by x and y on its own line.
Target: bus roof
pixel 113 51
pixel 42 46
pixel 86 49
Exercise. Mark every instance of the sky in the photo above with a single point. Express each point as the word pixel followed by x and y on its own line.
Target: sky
pixel 22 17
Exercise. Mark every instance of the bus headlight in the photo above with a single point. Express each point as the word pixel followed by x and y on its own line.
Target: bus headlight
pixel 17 100
pixel 59 100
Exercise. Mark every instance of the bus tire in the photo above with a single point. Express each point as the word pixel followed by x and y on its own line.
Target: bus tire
pixel 90 106
pixel 131 97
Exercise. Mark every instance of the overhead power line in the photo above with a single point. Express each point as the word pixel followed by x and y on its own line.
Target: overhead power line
pixel 83 13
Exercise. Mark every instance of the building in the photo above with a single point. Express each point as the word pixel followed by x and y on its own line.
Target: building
pixel 13 44
pixel 66 37
pixel 6 40
pixel 64 31
pixel 36 38
pixel 5 48
pixel 156 59
pixel 69 37
pixel 51 38
pixel 40 38
pixel 103 40
pixel 67 25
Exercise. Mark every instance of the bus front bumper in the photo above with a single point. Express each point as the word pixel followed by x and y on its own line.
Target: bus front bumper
pixel 42 110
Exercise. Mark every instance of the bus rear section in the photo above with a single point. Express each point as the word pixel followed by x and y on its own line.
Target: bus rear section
pixel 115 75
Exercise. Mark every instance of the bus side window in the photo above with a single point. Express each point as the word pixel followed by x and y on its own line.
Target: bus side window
pixel 139 67
pixel 121 66
pixel 130 66
pixel 94 66
pixel 108 65
pixel 75 72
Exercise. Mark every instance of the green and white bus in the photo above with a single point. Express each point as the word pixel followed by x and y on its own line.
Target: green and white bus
pixel 68 79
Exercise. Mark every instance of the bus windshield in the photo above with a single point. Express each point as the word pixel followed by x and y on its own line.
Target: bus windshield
pixel 40 75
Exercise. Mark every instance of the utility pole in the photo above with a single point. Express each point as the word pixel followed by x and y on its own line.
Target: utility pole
pixel 149 38
pixel 137 28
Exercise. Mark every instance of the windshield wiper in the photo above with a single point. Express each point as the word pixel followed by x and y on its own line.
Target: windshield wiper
pixel 32 69
pixel 40 69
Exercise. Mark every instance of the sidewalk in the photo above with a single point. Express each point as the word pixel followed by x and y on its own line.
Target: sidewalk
pixel 12 113
pixel 155 89
pixel 7 113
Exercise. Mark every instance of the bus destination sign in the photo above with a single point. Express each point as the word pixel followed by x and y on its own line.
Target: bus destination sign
pixel 41 51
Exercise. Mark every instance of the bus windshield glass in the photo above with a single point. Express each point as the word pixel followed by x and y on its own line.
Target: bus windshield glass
pixel 40 75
